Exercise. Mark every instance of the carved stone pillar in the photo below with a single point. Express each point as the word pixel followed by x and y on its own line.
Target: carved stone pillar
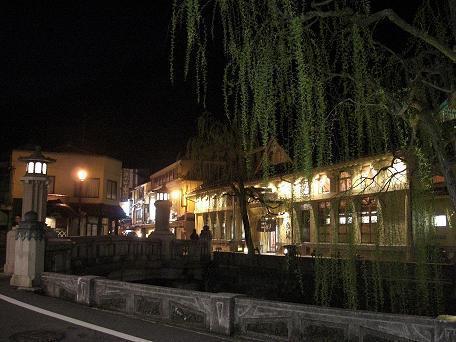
pixel 29 252
pixel 161 231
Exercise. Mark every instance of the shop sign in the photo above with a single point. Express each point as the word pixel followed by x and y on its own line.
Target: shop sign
pixel 267 224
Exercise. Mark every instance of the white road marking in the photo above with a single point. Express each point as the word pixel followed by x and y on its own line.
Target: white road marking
pixel 73 320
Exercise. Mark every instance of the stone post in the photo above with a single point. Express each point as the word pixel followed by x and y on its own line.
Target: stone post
pixel 162 232
pixel 34 198
pixel 29 252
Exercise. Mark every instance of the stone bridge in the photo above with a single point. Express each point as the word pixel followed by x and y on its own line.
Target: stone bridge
pixel 127 258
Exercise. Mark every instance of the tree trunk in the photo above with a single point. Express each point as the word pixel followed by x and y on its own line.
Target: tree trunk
pixel 432 127
pixel 245 219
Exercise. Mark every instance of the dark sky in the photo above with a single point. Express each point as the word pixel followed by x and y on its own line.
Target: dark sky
pixel 95 74
pixel 85 71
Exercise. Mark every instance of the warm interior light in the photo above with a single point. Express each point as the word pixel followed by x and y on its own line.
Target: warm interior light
pixel 175 194
pixel 246 250
pixel 440 220
pixel 82 175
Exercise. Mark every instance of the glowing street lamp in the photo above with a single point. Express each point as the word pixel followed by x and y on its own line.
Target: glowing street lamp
pixel 82 175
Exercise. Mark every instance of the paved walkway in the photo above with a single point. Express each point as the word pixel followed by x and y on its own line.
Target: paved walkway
pixel 26 316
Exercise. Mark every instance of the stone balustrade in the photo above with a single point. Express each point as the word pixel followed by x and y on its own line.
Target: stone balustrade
pixel 229 314
pixel 190 249
pixel 76 253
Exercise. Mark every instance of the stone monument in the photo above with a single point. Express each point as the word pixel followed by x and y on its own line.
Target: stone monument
pixel 34 199
pixel 161 231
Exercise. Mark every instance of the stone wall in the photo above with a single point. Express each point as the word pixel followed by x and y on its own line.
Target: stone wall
pixel 210 311
pixel 230 314
pixel 296 322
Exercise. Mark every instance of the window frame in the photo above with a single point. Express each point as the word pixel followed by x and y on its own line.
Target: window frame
pixel 348 216
pixel 345 179
pixel 369 210
pixel 78 188
pixel 110 195
pixel 324 221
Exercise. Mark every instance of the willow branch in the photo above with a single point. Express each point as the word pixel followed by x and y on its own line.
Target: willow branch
pixel 402 24
pixel 448 91
pixel 326 14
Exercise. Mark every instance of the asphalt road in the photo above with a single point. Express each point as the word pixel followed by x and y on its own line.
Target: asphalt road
pixel 19 323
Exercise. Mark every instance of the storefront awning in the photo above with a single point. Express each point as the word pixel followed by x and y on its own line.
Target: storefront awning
pixel 104 210
pixel 57 208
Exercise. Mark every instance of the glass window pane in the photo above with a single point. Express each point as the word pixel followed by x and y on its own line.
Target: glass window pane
pixel 37 167
pixel 440 220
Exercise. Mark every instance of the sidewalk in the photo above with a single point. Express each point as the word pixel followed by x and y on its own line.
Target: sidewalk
pixel 82 323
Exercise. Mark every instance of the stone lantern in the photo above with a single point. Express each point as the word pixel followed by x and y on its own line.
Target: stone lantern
pixel 35 183
pixel 29 243
pixel 161 231
pixel 34 198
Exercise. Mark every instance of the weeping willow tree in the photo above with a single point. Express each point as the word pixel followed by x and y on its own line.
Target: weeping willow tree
pixel 218 165
pixel 318 77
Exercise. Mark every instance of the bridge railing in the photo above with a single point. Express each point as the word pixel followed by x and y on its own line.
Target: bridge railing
pixel 62 254
pixel 194 250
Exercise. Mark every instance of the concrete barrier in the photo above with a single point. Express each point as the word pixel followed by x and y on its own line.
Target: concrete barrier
pixel 228 314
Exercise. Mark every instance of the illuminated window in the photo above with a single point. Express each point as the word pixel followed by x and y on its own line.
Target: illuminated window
pixel 324 184
pixel 368 219
pixel 367 175
pixel 305 188
pixel 345 219
pixel 438 180
pixel 324 220
pixel 345 181
pixel 440 221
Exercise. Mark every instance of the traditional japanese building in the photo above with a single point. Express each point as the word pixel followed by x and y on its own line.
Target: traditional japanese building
pixel 364 202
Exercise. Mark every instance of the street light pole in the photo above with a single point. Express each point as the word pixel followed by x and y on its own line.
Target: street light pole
pixel 82 175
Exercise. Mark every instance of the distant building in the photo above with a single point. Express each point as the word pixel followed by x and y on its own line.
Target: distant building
pixel 131 178
pixel 177 180
pixel 89 207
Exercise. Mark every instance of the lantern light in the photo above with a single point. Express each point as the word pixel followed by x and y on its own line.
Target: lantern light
pixel 162 194
pixel 36 163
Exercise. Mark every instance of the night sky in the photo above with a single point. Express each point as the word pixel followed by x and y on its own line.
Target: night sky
pixel 95 75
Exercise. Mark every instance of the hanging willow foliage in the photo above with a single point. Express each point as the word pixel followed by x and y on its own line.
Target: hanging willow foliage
pixel 312 76
pixel 285 77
